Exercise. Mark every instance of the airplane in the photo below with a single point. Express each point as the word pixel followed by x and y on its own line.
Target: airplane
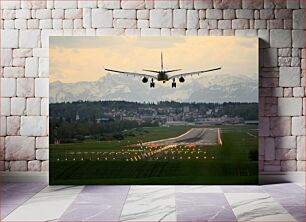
pixel 162 75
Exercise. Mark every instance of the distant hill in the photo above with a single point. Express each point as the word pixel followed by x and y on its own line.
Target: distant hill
pixel 209 88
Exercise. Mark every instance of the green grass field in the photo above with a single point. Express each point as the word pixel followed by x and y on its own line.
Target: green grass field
pixel 121 162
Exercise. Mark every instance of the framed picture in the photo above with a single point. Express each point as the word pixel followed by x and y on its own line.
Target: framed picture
pixel 153 110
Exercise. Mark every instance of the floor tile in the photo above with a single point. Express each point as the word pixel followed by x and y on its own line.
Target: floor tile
pixel 97 203
pixel 203 207
pixel 149 203
pixel 289 199
pixel 198 189
pixel 30 202
pixel 106 189
pixel 47 205
pixel 283 188
pixel 15 194
pixel 15 198
pixel 298 212
pixel 90 212
pixel 242 189
pixel 301 185
pixel 6 210
pixel 22 187
pixel 257 207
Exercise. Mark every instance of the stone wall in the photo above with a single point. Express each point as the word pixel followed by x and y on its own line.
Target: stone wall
pixel 26 26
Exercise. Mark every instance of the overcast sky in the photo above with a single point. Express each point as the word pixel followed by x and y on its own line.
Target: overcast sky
pixel 74 59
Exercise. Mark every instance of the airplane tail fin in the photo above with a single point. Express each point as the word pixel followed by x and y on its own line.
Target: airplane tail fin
pixel 161 61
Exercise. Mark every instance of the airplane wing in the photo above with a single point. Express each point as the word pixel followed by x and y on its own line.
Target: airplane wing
pixel 174 70
pixel 193 73
pixel 132 73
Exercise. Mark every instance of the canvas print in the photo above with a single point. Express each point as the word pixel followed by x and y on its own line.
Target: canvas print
pixel 153 110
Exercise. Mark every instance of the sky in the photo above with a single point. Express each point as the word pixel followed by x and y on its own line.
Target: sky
pixel 75 59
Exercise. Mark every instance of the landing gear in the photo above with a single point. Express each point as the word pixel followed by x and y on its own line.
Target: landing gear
pixel 173 84
pixel 152 84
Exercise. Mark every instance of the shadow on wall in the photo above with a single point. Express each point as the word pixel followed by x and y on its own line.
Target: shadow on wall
pixel 280 111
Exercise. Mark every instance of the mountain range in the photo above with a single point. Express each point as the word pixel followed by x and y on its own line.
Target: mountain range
pixel 210 88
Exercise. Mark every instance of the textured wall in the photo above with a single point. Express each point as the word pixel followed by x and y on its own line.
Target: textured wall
pixel 26 25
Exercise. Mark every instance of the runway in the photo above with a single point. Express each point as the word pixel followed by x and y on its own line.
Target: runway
pixel 197 136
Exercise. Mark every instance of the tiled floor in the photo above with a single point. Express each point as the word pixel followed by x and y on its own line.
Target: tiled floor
pixel 39 202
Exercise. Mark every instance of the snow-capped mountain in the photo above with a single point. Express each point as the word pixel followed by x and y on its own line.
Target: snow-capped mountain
pixel 210 88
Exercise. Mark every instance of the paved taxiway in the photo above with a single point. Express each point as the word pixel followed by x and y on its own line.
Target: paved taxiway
pixel 197 136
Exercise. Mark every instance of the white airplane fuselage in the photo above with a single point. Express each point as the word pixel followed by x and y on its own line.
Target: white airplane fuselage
pixel 162 76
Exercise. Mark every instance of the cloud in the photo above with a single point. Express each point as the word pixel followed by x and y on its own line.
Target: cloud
pixel 107 42
pixel 157 42
pixel 84 42
pixel 74 50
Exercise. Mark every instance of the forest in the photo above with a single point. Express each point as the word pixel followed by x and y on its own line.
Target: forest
pixel 93 110
pixel 107 120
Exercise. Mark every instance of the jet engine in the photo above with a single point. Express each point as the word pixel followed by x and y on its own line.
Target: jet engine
pixel 144 79
pixel 181 79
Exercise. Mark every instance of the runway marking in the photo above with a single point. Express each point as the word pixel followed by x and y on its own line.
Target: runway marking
pixel 251 135
pixel 172 138
pixel 197 136
pixel 219 137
